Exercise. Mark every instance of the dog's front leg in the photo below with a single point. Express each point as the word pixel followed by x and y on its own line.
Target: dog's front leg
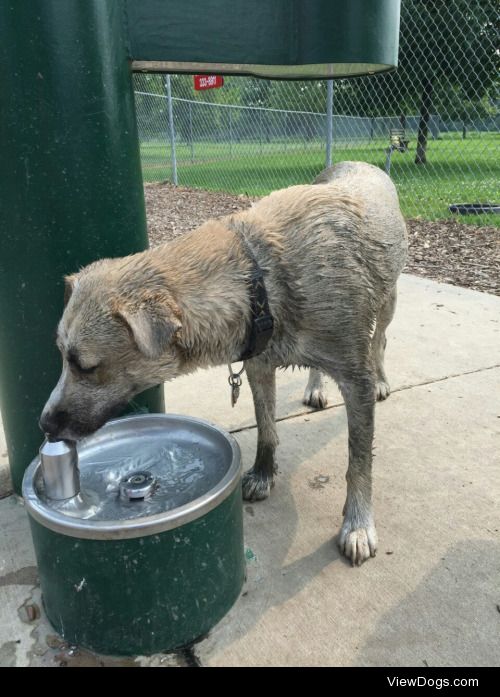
pixel 258 481
pixel 358 537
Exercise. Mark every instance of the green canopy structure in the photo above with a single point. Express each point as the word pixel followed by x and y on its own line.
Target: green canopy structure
pixel 279 39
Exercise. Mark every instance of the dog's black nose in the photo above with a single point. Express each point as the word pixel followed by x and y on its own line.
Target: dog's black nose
pixel 53 421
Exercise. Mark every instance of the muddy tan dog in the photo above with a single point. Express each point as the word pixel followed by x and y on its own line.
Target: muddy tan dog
pixel 331 255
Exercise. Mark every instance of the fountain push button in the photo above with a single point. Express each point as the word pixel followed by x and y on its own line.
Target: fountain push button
pixel 59 462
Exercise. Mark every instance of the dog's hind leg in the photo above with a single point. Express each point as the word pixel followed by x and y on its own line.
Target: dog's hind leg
pixel 315 393
pixel 379 341
pixel 358 537
pixel 259 480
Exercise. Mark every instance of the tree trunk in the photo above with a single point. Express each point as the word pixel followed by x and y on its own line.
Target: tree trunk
pixel 423 124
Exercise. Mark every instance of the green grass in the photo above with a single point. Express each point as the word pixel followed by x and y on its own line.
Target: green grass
pixel 458 171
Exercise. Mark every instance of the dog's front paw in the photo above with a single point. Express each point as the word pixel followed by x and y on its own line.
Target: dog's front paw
pixel 382 390
pixel 315 398
pixel 358 544
pixel 256 487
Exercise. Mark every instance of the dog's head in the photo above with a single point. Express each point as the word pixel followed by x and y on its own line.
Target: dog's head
pixel 117 337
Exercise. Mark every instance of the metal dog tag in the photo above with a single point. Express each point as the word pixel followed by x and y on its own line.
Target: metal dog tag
pixel 235 393
pixel 234 381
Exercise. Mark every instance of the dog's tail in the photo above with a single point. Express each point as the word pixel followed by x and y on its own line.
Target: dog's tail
pixel 325 176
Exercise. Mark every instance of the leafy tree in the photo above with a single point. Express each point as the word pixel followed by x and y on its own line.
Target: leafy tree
pixel 448 58
pixel 453 42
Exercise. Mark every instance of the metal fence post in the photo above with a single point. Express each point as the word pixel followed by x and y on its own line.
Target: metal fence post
pixel 191 131
pixel 329 123
pixel 173 153
pixel 230 133
pixel 260 130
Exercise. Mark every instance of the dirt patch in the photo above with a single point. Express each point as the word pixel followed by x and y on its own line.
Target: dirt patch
pixel 452 252
pixel 445 250
pixel 172 211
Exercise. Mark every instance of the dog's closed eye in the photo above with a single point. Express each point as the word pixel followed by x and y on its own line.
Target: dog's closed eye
pixel 86 371
pixel 74 361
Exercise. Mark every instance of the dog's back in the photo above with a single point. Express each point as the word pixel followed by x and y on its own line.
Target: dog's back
pixel 333 251
pixel 356 210
pixel 383 218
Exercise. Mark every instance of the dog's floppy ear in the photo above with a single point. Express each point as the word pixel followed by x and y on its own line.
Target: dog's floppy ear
pixel 152 328
pixel 69 287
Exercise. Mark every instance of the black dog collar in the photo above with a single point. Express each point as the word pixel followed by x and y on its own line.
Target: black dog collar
pixel 261 329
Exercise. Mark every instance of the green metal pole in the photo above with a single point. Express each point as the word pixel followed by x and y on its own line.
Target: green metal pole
pixel 71 187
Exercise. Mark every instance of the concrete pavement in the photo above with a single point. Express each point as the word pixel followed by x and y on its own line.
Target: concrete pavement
pixel 431 595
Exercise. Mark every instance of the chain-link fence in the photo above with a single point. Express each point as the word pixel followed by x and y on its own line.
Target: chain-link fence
pixel 434 122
